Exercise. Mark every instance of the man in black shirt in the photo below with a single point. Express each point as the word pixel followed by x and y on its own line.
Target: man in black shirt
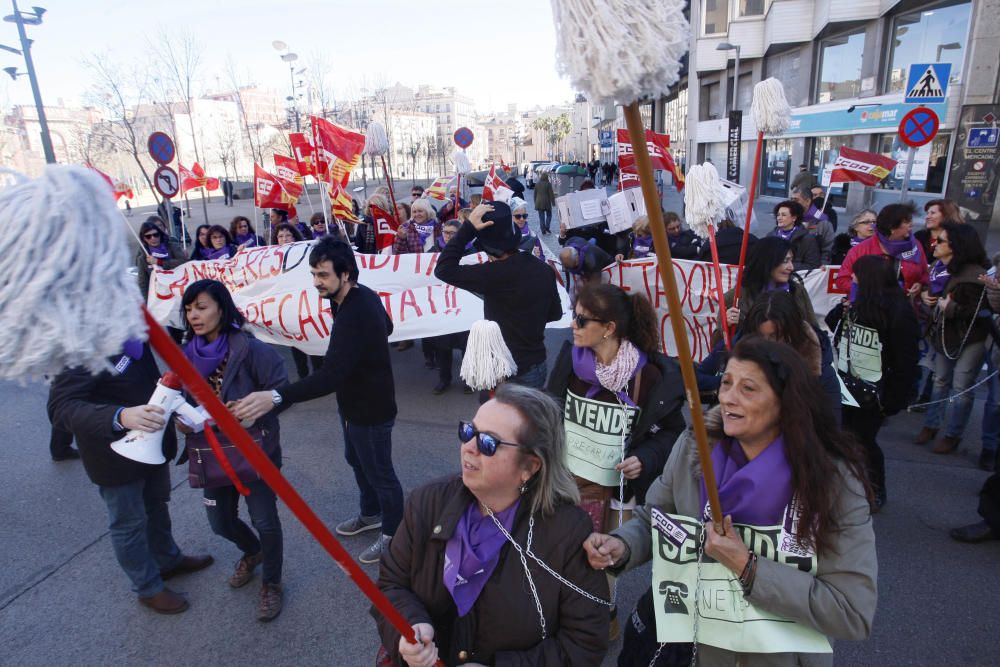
pixel 358 369
pixel 518 290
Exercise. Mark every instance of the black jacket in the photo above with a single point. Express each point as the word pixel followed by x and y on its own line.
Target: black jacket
pixel 805 248
pixel 519 294
pixel 729 241
pixel 685 245
pixel 85 404
pixel 660 419
pixel 356 365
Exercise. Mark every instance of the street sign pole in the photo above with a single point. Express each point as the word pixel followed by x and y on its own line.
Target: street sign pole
pixel 911 156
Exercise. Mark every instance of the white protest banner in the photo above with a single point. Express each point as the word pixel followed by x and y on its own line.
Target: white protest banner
pixel 594 437
pixel 725 618
pixel 273 288
pixel 696 284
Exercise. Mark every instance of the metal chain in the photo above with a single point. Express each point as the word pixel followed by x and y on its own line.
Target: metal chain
pixel 524 564
pixel 950 399
pixel 944 348
pixel 656 656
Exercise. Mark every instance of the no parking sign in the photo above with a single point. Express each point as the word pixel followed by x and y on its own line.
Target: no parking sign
pixel 919 127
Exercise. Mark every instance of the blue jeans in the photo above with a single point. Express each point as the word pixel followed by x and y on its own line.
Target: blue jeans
pixel 140 529
pixel 545 220
pixel 532 376
pixel 262 504
pixel 368 450
pixel 991 410
pixel 953 377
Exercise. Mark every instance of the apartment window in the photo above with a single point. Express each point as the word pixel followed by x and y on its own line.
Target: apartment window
pixel 787 68
pixel 751 7
pixel 710 102
pixel 745 98
pixel 776 168
pixel 716 13
pixel 840 67
pixel 933 35
pixel 929 163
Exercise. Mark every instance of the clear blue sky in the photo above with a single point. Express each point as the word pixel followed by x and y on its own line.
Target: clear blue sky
pixel 497 51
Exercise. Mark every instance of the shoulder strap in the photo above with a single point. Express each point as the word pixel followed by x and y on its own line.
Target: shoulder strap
pixel 637 387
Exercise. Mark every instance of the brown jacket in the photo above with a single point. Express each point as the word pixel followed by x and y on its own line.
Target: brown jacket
pixel 503 626
pixel 960 321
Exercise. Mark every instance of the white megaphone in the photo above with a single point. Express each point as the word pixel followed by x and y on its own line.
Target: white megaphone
pixel 148 447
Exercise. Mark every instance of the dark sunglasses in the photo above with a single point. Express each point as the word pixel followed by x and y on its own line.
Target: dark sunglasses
pixel 151 235
pixel 582 321
pixel 521 216
pixel 486 443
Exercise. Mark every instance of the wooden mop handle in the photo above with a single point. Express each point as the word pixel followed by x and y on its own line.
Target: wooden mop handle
pixel 638 138
pixel 195 383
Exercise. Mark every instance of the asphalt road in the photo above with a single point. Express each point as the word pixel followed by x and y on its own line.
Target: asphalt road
pixel 64 600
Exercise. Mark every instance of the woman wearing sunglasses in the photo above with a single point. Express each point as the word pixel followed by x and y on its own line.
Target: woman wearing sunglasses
pixel 157 251
pixel 622 396
pixel 529 240
pixel 454 573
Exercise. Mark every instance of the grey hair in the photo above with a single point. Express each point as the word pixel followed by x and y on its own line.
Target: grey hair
pixel 805 192
pixel 541 434
pixel 856 219
pixel 424 206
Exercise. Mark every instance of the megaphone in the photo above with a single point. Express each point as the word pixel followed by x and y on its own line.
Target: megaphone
pixel 148 447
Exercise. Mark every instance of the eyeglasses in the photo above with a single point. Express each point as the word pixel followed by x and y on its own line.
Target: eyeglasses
pixel 582 321
pixel 521 216
pixel 486 443
pixel 151 235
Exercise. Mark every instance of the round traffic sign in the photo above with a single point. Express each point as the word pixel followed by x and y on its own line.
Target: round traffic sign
pixel 463 137
pixel 919 127
pixel 166 182
pixel 161 147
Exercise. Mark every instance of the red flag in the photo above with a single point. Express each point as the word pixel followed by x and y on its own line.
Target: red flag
pixel 287 168
pixel 338 150
pixel 630 178
pixel 656 144
pixel 492 184
pixel 305 153
pixel 341 204
pixel 855 165
pixel 194 178
pixel 269 191
pixel 385 227
pixel 118 188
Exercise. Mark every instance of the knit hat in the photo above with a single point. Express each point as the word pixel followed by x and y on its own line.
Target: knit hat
pixel 503 235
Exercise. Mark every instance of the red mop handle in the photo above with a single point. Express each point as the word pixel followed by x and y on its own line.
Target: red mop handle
pixel 180 364
pixel 227 467
pixel 746 225
pixel 720 293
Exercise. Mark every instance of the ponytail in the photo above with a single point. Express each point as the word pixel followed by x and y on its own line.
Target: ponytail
pixel 644 324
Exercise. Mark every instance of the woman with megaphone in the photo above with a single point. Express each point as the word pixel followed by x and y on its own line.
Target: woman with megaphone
pixel 235 364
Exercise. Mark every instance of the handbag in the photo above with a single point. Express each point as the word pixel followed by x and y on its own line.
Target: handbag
pixel 214 461
pixel 867 394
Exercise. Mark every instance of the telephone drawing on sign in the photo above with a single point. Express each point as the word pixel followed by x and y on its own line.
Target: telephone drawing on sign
pixel 674 592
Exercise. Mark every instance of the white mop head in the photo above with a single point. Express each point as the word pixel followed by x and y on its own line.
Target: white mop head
pixel 703 198
pixel 66 297
pixel 770 110
pixel 487 361
pixel 620 50
pixel 376 141
pixel 461 161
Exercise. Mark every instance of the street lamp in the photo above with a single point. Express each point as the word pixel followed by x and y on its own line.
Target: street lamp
pixel 22 19
pixel 726 46
pixel 290 58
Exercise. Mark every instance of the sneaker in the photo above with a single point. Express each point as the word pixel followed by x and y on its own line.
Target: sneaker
pixel 373 553
pixel 358 524
pixel 270 602
pixel 243 572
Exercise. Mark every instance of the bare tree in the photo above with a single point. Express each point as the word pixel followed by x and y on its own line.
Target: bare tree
pixel 318 77
pixel 179 56
pixel 250 130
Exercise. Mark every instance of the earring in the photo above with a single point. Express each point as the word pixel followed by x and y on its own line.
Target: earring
pixel 523 487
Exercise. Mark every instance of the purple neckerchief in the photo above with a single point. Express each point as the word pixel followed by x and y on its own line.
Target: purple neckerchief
pixel 585 368
pixel 939 278
pixel 206 356
pixel 642 246
pixel 756 492
pixel 816 214
pixel 221 253
pixel 783 233
pixel 161 251
pixel 133 348
pixel 905 250
pixel 855 240
pixel 784 287
pixel 204 253
pixel 472 553
pixel 318 234
pixel 303 229
pixel 424 230
pixel 526 232
pixel 249 240
pixel 853 296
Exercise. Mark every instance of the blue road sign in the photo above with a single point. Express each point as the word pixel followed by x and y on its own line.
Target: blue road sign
pixel 983 137
pixel 927 83
pixel 161 147
pixel 463 137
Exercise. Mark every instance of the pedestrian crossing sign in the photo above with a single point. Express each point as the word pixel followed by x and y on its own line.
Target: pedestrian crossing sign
pixel 927 83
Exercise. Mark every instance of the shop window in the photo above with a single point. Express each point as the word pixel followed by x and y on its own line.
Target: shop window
pixel 823 154
pixel 937 34
pixel 776 168
pixel 929 163
pixel 716 13
pixel 840 67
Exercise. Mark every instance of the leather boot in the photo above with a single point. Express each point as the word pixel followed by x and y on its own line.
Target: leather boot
pixel 165 602
pixel 946 445
pixel 926 435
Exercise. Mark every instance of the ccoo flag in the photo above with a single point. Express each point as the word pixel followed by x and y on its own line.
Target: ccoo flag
pixel 855 165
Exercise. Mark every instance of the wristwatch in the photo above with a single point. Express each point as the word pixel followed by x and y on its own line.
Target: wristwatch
pixel 275 397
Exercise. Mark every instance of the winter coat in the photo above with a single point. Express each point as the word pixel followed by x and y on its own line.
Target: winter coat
pixel 177 257
pixel 805 248
pixel 838 602
pixel 968 299
pixel 684 245
pixel 912 272
pixel 544 195
pixel 729 241
pixel 85 404
pixel 253 366
pixel 822 229
pixel 660 418
pixel 797 290
pixel 503 627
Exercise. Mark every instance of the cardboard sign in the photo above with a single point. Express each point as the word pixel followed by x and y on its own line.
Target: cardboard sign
pixel 624 208
pixel 582 208
pixel 594 437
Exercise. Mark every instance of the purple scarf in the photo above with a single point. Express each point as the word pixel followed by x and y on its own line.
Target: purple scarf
pixel 206 356
pixel 424 230
pixel 472 553
pixel 784 287
pixel 249 239
pixel 784 234
pixel 133 348
pixel 939 278
pixel 585 368
pixel 642 246
pixel 204 253
pixel 161 251
pixel 756 492
pixel 855 240
pixel 221 253
pixel 816 214
pixel 905 250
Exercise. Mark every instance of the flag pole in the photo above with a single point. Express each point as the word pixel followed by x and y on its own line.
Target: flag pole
pixel 746 229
